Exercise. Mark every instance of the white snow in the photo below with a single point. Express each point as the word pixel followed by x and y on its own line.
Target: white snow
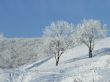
pixel 74 66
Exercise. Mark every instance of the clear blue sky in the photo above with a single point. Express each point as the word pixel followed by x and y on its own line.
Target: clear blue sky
pixel 27 18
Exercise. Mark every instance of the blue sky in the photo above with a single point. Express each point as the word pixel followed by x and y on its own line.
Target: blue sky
pixel 27 18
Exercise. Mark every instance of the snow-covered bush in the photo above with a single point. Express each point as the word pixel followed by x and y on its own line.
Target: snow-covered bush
pixel 18 51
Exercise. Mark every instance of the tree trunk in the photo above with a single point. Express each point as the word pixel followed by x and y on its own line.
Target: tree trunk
pixel 90 50
pixel 57 57
pixel 57 61
pixel 90 53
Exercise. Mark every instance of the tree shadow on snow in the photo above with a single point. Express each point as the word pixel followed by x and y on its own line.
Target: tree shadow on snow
pixel 48 78
pixel 99 52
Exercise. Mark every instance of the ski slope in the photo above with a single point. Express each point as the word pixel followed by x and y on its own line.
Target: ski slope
pixel 74 66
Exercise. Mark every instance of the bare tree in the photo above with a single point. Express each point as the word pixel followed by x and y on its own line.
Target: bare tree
pixel 58 38
pixel 90 30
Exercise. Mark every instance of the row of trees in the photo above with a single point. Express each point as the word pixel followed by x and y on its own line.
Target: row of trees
pixel 58 37
pixel 61 35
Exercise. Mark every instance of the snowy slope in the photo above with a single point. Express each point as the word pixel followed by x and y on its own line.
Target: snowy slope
pixel 74 66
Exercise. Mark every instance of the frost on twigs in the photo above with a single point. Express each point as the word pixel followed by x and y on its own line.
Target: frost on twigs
pixel 89 31
pixel 58 37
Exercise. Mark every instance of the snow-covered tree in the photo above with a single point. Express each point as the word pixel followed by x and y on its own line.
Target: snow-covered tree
pixel 19 51
pixel 58 38
pixel 90 30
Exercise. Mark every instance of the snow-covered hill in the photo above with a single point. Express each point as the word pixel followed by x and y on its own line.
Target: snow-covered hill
pixel 74 66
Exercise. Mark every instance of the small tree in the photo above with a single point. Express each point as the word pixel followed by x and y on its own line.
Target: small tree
pixel 58 38
pixel 90 30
